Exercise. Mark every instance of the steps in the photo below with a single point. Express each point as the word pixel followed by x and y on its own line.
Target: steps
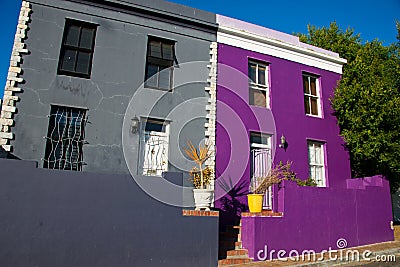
pixel 231 251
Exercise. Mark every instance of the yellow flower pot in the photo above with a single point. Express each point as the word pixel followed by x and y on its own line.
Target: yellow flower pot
pixel 255 202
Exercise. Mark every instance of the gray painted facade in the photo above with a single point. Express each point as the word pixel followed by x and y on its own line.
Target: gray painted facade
pixel 65 218
pixel 118 70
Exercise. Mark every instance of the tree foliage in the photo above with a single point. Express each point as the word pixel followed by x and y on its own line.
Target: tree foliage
pixel 367 99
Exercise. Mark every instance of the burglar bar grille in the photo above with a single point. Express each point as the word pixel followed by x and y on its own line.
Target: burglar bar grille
pixel 261 163
pixel 65 138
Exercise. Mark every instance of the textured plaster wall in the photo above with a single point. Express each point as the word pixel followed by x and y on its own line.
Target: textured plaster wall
pixel 118 69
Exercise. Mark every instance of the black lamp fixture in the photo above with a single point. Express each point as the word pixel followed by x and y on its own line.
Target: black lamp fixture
pixel 283 143
pixel 135 124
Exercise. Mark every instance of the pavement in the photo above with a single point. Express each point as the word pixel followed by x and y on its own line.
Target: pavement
pixel 374 255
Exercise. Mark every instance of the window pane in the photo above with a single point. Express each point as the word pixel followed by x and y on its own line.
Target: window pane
pixel 318 176
pixel 65 135
pixel 306 85
pixel 69 60
pixel 72 35
pixel 314 106
pixel 151 78
pixel 83 62
pixel 311 153
pixel 307 104
pixel 252 72
pixel 312 173
pixel 258 97
pixel 318 154
pixel 167 51
pixel 313 82
pixel 152 126
pixel 165 78
pixel 86 38
pixel 261 75
pixel 155 49
pixel 259 138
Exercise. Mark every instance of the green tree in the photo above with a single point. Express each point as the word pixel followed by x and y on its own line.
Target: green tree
pixel 367 99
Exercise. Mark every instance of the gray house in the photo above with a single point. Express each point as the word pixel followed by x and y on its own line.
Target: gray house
pixel 92 83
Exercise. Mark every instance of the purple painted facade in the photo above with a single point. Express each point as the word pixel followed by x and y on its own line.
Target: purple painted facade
pixel 313 218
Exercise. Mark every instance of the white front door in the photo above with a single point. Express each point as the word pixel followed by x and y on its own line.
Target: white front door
pixel 261 161
pixel 154 147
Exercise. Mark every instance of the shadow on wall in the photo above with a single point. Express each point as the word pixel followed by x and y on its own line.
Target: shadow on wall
pixel 232 207
pixel 6 155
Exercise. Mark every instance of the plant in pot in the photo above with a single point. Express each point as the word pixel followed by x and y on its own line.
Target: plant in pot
pixel 260 184
pixel 201 177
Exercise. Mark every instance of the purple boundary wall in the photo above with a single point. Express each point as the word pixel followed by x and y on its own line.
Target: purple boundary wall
pixel 316 218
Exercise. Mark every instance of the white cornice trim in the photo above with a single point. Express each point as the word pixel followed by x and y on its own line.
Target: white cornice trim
pixel 280 49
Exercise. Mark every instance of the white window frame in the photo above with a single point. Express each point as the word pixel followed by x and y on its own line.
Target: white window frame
pixel 259 86
pixel 311 147
pixel 309 96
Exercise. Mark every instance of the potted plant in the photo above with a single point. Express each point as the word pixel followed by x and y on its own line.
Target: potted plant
pixel 201 178
pixel 259 185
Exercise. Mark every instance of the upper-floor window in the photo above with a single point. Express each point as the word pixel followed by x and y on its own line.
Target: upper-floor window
pixel 77 49
pixel 258 84
pixel 65 137
pixel 316 161
pixel 159 63
pixel 312 102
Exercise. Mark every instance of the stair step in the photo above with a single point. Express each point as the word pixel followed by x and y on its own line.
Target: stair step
pixel 226 262
pixel 233 228
pixel 237 254
pixel 230 244
pixel 266 213
pixel 234 237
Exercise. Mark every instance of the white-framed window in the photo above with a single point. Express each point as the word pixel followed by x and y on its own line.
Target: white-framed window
pixel 154 143
pixel 312 100
pixel 261 161
pixel 258 84
pixel 316 161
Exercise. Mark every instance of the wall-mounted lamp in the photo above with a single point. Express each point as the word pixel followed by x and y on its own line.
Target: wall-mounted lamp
pixel 135 125
pixel 283 143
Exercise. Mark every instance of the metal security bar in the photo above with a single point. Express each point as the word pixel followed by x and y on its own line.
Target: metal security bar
pixel 155 154
pixel 261 162
pixel 65 138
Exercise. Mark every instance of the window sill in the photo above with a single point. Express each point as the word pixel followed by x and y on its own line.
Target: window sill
pixel 73 74
pixel 314 116
pixel 159 89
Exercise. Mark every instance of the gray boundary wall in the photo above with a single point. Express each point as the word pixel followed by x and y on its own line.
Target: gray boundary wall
pixel 65 218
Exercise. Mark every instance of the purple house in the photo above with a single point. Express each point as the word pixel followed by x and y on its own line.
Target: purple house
pixel 273 105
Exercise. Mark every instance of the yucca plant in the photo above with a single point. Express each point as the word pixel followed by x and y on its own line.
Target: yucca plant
pixel 199 156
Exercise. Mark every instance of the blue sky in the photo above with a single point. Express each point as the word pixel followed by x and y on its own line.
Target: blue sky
pixel 372 19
